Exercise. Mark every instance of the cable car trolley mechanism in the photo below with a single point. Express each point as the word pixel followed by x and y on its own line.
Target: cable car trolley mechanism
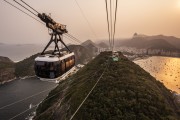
pixel 55 63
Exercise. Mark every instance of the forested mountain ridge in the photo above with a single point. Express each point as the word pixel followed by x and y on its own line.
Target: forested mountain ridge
pixel 125 91
pixel 7 69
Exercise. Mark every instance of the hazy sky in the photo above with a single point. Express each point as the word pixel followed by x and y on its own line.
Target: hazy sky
pixel 149 17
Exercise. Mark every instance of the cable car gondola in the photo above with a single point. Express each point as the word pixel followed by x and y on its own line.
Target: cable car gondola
pixel 54 65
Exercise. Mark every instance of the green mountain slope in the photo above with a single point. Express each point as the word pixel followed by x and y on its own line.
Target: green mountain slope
pixel 6 69
pixel 125 92
pixel 25 67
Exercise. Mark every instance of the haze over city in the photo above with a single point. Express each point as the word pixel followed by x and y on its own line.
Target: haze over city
pixel 149 17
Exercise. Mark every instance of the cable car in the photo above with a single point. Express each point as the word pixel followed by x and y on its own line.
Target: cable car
pixel 55 64
pixel 52 66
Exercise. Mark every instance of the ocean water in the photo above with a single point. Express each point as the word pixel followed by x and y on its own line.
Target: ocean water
pixel 164 69
pixel 19 52
pixel 19 95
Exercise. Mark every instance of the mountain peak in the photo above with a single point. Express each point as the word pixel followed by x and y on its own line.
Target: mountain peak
pixel 88 42
pixel 139 35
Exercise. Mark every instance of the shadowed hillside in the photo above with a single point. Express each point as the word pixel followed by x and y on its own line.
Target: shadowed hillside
pixel 125 92
pixel 91 46
pixel 6 69
pixel 155 42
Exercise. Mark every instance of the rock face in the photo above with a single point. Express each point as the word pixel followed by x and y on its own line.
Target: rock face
pixel 7 69
pixel 124 92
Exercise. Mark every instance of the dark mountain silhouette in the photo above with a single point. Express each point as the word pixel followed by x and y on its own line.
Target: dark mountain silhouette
pixel 88 42
pixel 170 39
pixel 91 46
pixel 103 45
pixel 158 42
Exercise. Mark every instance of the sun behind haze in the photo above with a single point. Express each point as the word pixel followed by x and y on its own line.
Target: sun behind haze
pixel 149 17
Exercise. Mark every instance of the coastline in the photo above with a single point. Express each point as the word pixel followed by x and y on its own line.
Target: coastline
pixel 154 73
pixel 21 78
pixel 7 81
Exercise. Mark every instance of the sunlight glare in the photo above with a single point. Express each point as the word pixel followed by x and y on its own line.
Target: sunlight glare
pixel 178 4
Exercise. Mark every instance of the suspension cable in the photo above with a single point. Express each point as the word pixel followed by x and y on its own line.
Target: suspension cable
pixel 115 22
pixel 29 6
pixel 25 8
pixel 68 35
pixel 86 19
pixel 26 98
pixel 111 22
pixel 24 12
pixel 108 23
pixel 107 64
pixel 72 37
pixel 49 97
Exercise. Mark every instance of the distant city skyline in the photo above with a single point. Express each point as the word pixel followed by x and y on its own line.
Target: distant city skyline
pixel 149 17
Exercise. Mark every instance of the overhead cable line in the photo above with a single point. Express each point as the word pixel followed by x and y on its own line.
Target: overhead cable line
pixel 86 19
pixel 25 8
pixel 23 112
pixel 69 35
pixel 49 97
pixel 108 23
pixel 29 6
pixel 69 39
pixel 73 38
pixel 24 12
pixel 26 98
pixel 115 22
pixel 107 64
pixel 111 21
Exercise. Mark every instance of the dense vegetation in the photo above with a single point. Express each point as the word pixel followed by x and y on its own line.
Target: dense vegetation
pixel 125 92
pixel 5 63
pixel 6 69
pixel 25 67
